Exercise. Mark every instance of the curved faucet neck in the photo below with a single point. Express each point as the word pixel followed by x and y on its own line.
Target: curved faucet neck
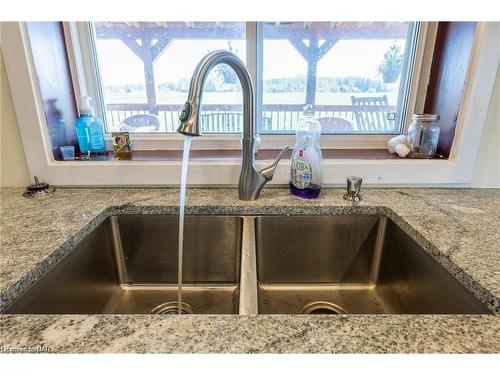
pixel 251 180
pixel 190 123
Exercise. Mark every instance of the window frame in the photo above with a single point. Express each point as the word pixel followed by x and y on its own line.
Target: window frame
pixel 86 82
pixel 456 171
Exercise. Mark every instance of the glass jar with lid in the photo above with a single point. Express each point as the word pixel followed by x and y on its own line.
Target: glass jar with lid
pixel 423 135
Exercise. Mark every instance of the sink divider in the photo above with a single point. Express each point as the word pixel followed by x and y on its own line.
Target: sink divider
pixel 379 244
pixel 118 251
pixel 248 277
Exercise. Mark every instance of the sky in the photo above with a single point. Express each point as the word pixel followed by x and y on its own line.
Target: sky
pixel 119 65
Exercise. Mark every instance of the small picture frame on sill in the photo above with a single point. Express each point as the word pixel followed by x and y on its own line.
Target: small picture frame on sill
pixel 122 148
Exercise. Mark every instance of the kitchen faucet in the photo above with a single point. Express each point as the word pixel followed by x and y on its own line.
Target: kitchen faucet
pixel 251 180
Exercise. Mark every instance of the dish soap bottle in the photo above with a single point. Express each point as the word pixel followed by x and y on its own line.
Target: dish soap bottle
pixel 89 129
pixel 305 170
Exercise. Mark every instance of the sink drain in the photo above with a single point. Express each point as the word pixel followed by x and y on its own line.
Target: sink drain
pixel 322 307
pixel 171 308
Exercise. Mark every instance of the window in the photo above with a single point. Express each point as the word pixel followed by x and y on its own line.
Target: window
pixel 355 75
pixel 145 69
pixel 350 72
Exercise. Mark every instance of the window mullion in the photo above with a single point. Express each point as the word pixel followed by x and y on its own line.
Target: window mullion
pixel 259 85
pixel 254 64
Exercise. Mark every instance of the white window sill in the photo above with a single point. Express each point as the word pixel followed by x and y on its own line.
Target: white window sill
pixel 214 172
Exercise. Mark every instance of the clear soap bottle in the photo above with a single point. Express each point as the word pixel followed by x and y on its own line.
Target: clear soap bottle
pixel 305 169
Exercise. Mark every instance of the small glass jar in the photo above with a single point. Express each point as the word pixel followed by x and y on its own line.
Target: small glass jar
pixel 423 135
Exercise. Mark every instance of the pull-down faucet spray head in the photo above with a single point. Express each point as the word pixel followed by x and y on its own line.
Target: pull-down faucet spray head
pixel 189 121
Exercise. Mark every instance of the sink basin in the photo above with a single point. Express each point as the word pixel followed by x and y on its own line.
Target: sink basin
pixel 128 264
pixel 351 264
pixel 340 264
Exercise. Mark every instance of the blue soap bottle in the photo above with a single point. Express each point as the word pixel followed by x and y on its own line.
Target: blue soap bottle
pixel 89 129
pixel 82 126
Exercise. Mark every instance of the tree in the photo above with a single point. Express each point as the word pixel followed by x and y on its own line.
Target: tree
pixel 390 68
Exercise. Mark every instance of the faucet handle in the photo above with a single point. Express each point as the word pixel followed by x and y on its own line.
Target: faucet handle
pixel 268 172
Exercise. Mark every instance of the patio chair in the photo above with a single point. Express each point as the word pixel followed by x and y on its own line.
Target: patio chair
pixel 140 123
pixel 371 114
pixel 332 125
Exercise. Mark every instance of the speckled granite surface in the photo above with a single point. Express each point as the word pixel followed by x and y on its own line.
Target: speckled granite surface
pixel 254 334
pixel 458 227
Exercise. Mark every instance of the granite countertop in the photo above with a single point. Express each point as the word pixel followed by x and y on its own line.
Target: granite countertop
pixel 458 227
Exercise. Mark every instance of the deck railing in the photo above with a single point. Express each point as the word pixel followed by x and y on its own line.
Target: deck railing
pixel 228 118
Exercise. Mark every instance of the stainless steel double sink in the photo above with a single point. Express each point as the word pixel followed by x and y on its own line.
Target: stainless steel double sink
pixel 354 264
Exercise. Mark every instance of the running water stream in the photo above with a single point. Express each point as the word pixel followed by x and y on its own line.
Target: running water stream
pixel 182 203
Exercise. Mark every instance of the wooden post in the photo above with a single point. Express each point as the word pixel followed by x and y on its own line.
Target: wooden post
pixel 149 77
pixel 312 70
pixel 148 51
pixel 312 53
